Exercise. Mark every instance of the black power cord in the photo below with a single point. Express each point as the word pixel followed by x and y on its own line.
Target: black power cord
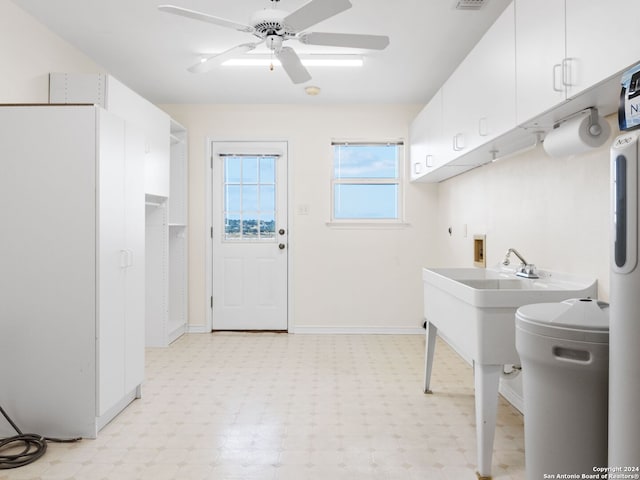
pixel 26 447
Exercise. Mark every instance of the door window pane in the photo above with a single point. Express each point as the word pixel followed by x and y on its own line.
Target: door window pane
pixel 232 226
pixel 232 169
pixel 267 170
pixel 249 170
pixel 232 198
pixel 267 198
pixel 249 197
pixel 267 225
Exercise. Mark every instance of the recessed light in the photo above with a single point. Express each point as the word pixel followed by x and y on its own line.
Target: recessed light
pixel 312 90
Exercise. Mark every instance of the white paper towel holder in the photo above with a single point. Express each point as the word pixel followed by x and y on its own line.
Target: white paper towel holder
pixel 595 134
pixel 595 129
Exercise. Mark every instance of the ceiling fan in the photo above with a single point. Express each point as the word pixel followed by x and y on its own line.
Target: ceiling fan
pixel 273 27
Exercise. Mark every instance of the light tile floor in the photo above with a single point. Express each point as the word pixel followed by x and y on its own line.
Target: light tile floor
pixel 269 406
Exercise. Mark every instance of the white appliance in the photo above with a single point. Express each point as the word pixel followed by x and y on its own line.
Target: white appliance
pixel 624 334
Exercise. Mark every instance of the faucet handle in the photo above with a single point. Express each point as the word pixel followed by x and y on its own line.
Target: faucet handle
pixel 528 271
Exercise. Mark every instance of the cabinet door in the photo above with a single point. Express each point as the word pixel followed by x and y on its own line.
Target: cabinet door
pixel 134 212
pixel 494 60
pixel 602 39
pixel 540 50
pixel 112 262
pixel 426 138
pixel 460 102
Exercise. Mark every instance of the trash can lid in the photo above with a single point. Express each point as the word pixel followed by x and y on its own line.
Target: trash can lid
pixel 581 319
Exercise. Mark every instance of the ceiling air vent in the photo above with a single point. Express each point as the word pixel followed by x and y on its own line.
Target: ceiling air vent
pixel 469 4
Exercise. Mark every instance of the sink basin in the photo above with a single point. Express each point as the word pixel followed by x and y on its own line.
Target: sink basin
pixel 473 310
pixel 499 287
pixel 496 284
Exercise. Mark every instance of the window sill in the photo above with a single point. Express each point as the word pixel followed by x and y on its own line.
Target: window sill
pixel 367 225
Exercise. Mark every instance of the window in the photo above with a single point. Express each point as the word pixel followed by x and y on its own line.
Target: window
pixel 366 181
pixel 249 197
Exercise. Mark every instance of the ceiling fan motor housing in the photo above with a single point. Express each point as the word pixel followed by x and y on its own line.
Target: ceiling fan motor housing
pixel 271 22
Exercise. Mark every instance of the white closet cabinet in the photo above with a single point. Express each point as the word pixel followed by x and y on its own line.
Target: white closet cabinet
pixel 165 168
pixel 72 283
pixel 166 239
pixel 178 300
pixel 117 98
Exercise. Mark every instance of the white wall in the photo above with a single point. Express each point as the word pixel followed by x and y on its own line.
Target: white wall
pixel 28 53
pixel 555 212
pixel 363 279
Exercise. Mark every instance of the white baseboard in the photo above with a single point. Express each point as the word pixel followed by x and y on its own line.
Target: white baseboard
pixel 511 395
pixel 336 330
pixel 198 329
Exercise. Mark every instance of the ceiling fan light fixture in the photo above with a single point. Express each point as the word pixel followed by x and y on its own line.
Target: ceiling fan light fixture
pixel 308 61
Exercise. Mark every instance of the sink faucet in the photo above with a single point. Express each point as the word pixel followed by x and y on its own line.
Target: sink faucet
pixel 526 269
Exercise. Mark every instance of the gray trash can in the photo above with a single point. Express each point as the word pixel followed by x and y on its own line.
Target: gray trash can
pixel 564 352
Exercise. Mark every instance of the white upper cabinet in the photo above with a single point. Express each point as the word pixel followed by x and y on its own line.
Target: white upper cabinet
pixel 566 47
pixel 539 63
pixel 496 64
pixel 540 51
pixel 602 39
pixel 424 134
pixel 479 97
pixel 474 106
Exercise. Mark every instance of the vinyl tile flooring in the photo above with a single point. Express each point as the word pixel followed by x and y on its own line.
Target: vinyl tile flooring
pixel 274 406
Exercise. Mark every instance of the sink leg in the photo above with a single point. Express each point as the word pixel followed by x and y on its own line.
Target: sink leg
pixel 430 346
pixel 486 378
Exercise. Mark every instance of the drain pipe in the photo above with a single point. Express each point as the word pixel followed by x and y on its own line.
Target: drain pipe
pixel 511 371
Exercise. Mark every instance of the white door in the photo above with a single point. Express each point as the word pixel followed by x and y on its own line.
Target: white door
pixel 249 235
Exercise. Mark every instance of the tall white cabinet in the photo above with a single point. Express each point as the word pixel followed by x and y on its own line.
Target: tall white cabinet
pixel 72 285
pixel 165 187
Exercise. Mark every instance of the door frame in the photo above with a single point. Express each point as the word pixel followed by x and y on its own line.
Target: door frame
pixel 208 222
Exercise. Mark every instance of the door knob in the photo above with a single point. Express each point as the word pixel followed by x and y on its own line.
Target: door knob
pixel 281 246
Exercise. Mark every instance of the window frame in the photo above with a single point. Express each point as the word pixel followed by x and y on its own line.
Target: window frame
pixel 364 222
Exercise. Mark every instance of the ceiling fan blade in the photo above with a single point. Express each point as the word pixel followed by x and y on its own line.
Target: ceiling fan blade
pixel 292 65
pixel 213 61
pixel 185 12
pixel 353 40
pixel 313 12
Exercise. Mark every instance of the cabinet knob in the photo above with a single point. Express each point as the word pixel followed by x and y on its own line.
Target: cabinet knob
pixel 282 231
pixel 281 246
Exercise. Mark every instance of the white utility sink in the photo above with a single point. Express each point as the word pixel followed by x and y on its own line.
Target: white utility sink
pixel 474 309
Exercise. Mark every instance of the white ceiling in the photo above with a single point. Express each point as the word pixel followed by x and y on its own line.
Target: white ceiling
pixel 149 50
